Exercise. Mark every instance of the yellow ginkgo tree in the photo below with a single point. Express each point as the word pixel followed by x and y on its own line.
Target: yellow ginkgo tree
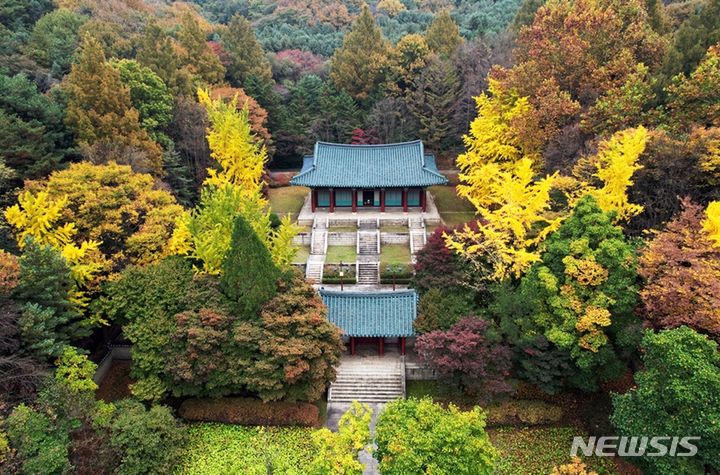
pixel 492 139
pixel 233 188
pixel 711 224
pixel 36 216
pixel 612 170
pixel 516 209
pixel 515 217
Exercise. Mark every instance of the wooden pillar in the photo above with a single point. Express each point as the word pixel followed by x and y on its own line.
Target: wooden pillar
pixel 354 198
pixel 423 199
pixel 381 345
pixel 382 200
pixel 405 199
pixel 352 345
pixel 402 345
pixel 332 200
pixel 313 199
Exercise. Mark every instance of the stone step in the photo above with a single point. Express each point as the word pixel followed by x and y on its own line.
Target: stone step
pixel 337 389
pixel 369 381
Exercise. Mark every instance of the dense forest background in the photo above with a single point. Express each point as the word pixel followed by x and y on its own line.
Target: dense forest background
pixel 332 71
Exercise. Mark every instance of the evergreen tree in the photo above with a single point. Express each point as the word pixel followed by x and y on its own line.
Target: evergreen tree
pixel 33 138
pixel 303 109
pixel 340 116
pixel 246 56
pixel 249 276
pixel 526 13
pixel 358 66
pixel 197 56
pixel 156 51
pixel 443 35
pixel 149 95
pixel 54 39
pixel 100 113
pixel 692 40
pixel 49 320
pixel 179 176
pixel 434 102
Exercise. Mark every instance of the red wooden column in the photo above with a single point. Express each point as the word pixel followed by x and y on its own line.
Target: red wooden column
pixel 402 345
pixel 405 199
pixel 382 200
pixel 423 199
pixel 352 345
pixel 354 198
pixel 313 199
pixel 381 345
pixel 332 200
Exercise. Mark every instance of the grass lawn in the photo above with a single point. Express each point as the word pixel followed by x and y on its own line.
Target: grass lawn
pixel 288 199
pixel 338 254
pixel 342 229
pixel 453 209
pixel 524 449
pixel 225 449
pixel 395 254
pixel 302 254
pixel 535 451
pixel 394 228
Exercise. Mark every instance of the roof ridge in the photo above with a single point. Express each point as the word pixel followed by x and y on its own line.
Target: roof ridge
pixel 379 145
pixel 377 293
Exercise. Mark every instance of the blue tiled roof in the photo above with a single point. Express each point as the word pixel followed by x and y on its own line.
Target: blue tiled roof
pixel 369 166
pixel 372 314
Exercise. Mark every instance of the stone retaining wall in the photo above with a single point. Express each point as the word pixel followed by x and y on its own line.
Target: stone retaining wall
pixel 115 352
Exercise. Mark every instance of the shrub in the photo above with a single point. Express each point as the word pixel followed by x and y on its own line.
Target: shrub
pixel 419 436
pixel 337 452
pixel 251 412
pixel 437 266
pixel 470 354
pixel 441 309
pixel 575 467
pixel 40 444
pixel 677 393
pixel 148 440
pixel 542 364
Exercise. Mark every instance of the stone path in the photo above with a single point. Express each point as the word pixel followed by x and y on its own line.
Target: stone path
pixel 335 412
pixel 357 376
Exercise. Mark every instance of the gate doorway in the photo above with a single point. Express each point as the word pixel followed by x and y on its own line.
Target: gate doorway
pixel 368 197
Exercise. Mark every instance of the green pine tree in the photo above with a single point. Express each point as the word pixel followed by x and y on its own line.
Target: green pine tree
pixel 249 277
pixel 246 55
pixel 692 40
pixel 359 66
pixel 434 102
pixel 198 58
pixel 156 52
pixel 49 320
pixel 443 35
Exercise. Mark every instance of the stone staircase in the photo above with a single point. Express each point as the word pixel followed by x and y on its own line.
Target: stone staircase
pixel 418 235
pixel 367 243
pixel 314 268
pixel 319 238
pixel 368 272
pixel 368 252
pixel 368 380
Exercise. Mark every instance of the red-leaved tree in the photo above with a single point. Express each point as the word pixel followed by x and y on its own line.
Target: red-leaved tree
pixel 681 269
pixel 470 354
